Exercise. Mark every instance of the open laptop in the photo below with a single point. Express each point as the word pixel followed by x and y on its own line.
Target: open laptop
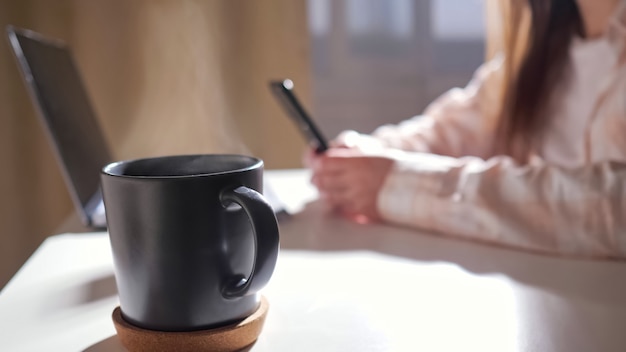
pixel 57 91
pixel 59 95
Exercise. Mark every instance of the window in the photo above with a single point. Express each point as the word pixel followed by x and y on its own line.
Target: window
pixel 381 61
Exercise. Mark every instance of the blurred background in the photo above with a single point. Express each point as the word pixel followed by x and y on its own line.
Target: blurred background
pixel 175 77
pixel 382 61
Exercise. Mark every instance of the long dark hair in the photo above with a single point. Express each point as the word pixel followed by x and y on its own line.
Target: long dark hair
pixel 525 113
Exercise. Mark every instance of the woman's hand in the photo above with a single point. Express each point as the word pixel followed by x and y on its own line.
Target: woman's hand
pixel 363 142
pixel 350 180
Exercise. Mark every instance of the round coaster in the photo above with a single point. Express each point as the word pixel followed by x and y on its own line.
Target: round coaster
pixel 226 338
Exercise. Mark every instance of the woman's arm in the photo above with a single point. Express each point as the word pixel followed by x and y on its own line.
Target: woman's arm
pixel 537 207
pixel 460 122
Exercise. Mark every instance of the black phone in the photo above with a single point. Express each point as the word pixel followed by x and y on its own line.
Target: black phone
pixel 283 91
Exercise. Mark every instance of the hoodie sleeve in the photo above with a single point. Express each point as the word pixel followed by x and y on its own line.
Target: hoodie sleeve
pixel 460 122
pixel 538 206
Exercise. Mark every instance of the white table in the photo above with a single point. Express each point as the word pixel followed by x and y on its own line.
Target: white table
pixel 340 286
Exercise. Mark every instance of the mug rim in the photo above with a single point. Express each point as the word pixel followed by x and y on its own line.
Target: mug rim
pixel 108 169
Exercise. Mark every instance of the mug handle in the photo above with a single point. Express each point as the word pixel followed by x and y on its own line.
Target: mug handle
pixel 265 233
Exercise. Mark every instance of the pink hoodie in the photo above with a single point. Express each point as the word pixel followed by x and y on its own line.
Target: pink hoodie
pixel 570 199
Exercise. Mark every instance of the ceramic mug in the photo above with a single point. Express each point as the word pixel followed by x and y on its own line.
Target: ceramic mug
pixel 193 239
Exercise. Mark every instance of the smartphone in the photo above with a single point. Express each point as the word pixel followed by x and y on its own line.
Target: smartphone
pixel 283 91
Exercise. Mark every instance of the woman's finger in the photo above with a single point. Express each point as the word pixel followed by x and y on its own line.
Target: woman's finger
pixel 340 199
pixel 332 182
pixel 345 139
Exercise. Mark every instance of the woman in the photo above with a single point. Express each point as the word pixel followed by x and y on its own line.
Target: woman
pixel 531 154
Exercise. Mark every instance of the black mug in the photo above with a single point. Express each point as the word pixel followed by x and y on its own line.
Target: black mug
pixel 193 239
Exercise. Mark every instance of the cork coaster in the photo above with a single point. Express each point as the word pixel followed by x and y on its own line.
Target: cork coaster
pixel 227 338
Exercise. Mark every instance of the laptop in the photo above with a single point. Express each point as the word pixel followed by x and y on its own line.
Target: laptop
pixel 60 98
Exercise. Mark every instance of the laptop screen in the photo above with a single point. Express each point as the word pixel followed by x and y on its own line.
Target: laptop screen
pixel 55 85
